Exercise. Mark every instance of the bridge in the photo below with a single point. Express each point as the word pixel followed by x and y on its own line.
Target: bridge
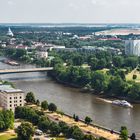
pixel 9 71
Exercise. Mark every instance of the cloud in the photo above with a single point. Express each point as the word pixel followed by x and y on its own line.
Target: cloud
pixel 74 6
pixel 10 2
pixel 94 2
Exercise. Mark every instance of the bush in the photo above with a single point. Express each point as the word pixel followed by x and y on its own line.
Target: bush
pixel 52 107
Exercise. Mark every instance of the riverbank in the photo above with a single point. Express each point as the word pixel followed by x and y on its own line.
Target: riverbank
pixel 95 130
pixel 92 129
pixel 104 97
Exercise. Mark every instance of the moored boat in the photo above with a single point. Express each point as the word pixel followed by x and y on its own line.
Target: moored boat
pixel 11 62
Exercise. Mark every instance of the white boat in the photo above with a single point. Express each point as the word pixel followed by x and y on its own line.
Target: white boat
pixel 122 103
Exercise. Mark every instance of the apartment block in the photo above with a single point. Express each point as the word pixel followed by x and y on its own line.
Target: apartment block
pixel 10 97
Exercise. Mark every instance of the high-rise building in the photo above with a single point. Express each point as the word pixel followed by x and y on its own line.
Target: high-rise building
pixel 132 47
pixel 10 33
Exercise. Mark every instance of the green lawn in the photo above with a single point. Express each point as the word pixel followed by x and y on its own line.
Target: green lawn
pixel 129 76
pixel 8 137
pixel 60 139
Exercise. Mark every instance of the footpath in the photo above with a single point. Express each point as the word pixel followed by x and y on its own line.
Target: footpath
pixel 89 129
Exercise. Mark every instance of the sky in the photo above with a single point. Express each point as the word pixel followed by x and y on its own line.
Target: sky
pixel 69 11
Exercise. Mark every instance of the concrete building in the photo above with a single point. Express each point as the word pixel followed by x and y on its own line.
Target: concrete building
pixel 10 98
pixel 42 54
pixel 132 47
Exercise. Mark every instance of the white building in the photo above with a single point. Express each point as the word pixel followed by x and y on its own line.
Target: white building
pixel 42 54
pixel 10 98
pixel 132 47
pixel 10 33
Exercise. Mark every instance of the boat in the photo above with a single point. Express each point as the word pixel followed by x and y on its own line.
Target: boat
pixel 122 103
pixel 11 62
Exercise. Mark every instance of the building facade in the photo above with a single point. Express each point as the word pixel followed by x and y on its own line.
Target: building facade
pixel 42 54
pixel 10 98
pixel 132 47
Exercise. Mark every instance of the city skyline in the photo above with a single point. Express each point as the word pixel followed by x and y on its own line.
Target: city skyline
pixel 69 11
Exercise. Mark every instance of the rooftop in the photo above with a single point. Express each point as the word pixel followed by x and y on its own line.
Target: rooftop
pixel 9 89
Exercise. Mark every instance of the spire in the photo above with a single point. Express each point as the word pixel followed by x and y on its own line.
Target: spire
pixel 10 33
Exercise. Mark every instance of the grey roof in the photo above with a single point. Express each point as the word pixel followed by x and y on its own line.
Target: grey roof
pixel 9 89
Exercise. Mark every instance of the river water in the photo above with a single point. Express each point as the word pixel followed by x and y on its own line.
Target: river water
pixel 71 100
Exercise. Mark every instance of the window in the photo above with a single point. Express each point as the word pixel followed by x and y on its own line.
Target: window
pixel 10 105
pixel 20 97
pixel 20 104
pixel 20 100
pixel 10 101
pixel 10 97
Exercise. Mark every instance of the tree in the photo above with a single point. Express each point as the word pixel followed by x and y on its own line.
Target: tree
pixel 44 125
pixel 101 64
pixel 44 105
pixel 99 81
pixel 30 98
pixel 93 63
pixel 37 102
pixel 8 117
pixel 134 76
pixel 88 137
pixel 118 61
pixel 124 133
pixel 64 128
pixel 116 86
pixel 76 133
pixel 20 53
pixel 78 60
pixel 133 136
pixel 88 120
pixel 25 131
pixel 134 91
pixel 52 107
pixel 131 62
pixel 55 129
pixel 76 118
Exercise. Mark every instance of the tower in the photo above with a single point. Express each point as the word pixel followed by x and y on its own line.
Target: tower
pixel 10 33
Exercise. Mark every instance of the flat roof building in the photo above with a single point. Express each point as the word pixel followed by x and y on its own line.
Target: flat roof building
pixel 10 97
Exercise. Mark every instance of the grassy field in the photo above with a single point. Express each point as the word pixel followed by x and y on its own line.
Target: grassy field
pixel 60 139
pixel 8 137
pixel 129 76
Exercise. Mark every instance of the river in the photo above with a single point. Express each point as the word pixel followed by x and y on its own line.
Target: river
pixel 71 100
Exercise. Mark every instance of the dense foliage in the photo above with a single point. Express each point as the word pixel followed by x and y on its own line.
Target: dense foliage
pixel 6 119
pixel 25 131
pixel 46 125
pixel 107 74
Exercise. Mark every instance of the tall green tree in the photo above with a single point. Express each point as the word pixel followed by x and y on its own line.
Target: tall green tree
pixel 52 107
pixel 88 120
pixel 99 81
pixel 44 105
pixel 25 131
pixel 124 133
pixel 30 98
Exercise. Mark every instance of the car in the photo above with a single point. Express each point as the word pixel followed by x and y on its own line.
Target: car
pixel 38 132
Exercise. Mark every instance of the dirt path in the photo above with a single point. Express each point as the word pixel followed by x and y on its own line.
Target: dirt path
pixel 90 129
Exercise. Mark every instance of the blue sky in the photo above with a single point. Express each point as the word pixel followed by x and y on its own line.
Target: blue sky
pixel 69 11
